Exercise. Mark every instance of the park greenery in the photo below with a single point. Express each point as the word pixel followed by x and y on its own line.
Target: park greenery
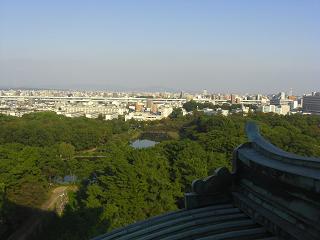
pixel 192 105
pixel 117 184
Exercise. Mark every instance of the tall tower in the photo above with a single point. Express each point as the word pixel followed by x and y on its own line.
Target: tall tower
pixel 149 103
pixel 233 99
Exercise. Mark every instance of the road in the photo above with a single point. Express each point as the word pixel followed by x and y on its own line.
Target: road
pixel 58 197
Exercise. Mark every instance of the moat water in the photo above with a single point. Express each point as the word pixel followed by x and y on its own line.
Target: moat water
pixel 143 143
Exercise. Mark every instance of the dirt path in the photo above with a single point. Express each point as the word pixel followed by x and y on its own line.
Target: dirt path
pixel 58 197
pixel 89 150
pixel 56 194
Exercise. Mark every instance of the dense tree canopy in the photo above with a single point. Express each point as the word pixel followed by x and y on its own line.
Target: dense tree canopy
pixel 123 185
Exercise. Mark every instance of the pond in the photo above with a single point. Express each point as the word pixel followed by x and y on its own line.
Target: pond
pixel 142 143
pixel 68 179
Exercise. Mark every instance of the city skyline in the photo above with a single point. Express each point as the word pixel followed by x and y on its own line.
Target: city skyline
pixel 288 91
pixel 161 46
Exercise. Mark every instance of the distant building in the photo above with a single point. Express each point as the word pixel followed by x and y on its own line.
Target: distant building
pixel 165 110
pixel 109 109
pixel 268 109
pixel 238 100
pixel 293 105
pixel 282 110
pixel 281 99
pixel 311 104
pixel 154 108
pixel 245 109
pixel 293 98
pixel 259 97
pixel 233 98
pixel 142 116
pixel 149 103
pixel 92 115
pixel 139 107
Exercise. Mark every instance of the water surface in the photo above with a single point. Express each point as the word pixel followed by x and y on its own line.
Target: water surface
pixel 143 143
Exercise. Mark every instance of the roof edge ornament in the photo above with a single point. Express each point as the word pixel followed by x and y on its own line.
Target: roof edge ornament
pixel 211 190
pixel 262 145
pixel 278 189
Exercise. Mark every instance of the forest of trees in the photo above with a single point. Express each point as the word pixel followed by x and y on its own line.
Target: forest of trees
pixel 126 184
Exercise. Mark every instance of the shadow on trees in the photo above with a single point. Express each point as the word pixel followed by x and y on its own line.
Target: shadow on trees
pixel 21 222
pixel 17 220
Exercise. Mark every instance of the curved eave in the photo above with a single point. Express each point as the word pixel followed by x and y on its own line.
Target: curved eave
pixel 221 221
pixel 267 149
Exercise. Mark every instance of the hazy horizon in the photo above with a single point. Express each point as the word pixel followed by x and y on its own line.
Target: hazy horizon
pixel 221 46
pixel 158 90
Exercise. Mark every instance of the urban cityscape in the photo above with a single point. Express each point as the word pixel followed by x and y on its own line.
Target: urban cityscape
pixel 148 106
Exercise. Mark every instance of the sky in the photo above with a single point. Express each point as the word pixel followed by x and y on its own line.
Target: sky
pixel 188 45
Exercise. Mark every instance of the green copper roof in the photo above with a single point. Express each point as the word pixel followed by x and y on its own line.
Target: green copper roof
pixel 221 221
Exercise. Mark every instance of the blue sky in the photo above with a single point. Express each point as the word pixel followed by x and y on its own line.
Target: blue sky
pixel 222 46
